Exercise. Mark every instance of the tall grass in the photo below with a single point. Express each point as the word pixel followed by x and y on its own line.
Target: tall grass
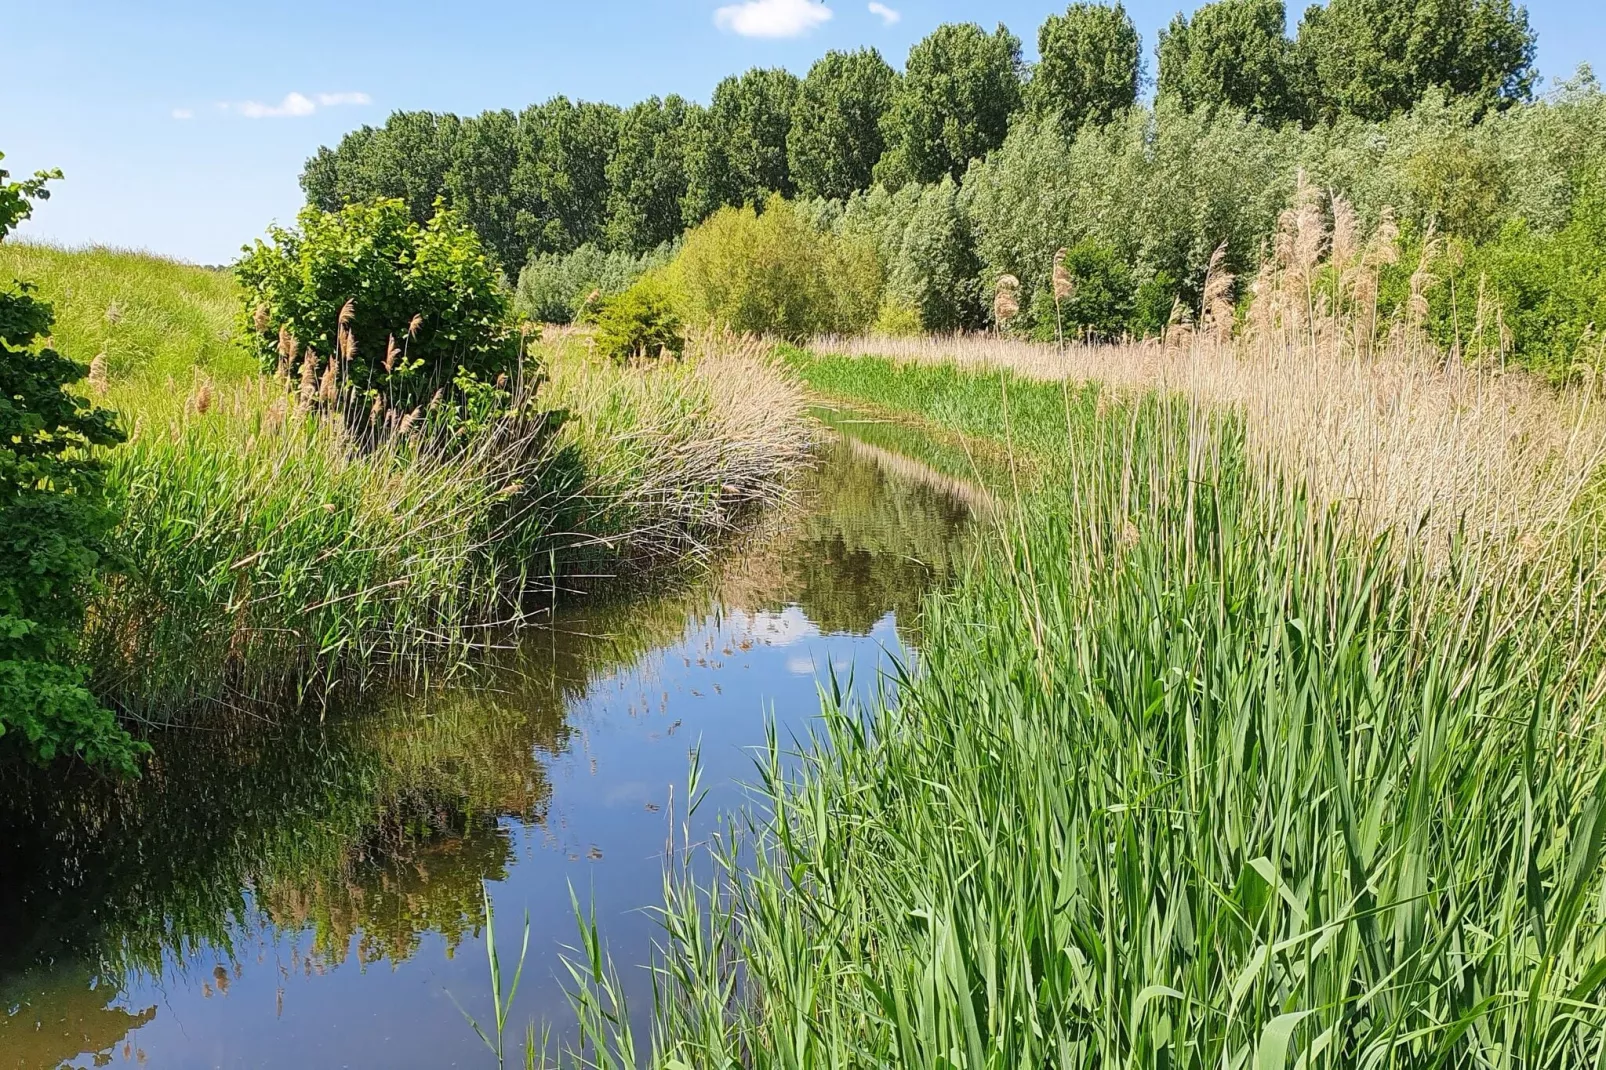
pixel 1253 745
pixel 267 555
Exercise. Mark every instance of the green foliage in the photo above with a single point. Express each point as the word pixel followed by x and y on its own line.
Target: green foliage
pixel 561 182
pixel 647 179
pixel 1102 303
pixel 1231 54
pixel 776 273
pixel 960 87
pixel 558 287
pixel 1376 58
pixel 54 519
pixel 897 318
pixel 1089 66
pixel 836 139
pixel 736 149
pixel 640 322
pixel 924 239
pixel 424 301
pixel 407 158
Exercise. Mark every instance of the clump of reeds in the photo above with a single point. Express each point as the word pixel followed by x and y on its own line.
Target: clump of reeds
pixel 301 542
pixel 1194 769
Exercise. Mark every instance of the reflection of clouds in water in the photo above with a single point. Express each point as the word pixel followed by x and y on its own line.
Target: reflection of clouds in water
pixel 800 666
pixel 790 625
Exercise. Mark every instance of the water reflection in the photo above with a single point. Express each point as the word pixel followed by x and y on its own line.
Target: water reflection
pixel 304 895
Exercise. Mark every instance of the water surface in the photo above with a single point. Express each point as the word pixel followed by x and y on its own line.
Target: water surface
pixel 300 895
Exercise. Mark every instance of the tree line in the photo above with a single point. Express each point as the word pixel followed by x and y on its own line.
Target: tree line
pixel 566 174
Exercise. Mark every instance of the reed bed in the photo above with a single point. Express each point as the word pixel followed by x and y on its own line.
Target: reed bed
pixel 1192 775
pixel 1357 409
pixel 269 556
pixel 1273 734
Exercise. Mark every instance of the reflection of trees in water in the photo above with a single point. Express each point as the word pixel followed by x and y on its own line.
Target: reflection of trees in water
pixel 861 541
pixel 374 829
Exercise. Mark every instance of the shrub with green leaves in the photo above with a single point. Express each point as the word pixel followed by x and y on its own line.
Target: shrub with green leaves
pixel 406 306
pixel 54 517
pixel 561 287
pixel 776 273
pixel 641 322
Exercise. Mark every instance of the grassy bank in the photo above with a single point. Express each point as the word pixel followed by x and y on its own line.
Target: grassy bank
pixel 266 556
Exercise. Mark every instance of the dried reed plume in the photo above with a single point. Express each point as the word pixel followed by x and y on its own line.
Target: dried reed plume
pixel 391 353
pixel 309 381
pixel 348 312
pixel 97 374
pixel 1006 300
pixel 1064 283
pixel 203 397
pixel 259 319
pixel 409 421
pixel 329 385
pixel 1216 313
pixel 414 324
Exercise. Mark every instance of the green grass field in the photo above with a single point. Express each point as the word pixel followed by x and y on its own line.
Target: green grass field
pixel 153 318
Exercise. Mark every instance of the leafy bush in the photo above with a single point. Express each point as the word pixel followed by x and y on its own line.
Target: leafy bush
pixel 641 322
pixel 776 273
pixel 405 306
pixel 897 318
pixel 557 288
pixel 54 518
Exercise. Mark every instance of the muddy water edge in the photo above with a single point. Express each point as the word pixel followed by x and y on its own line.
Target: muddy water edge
pixel 284 894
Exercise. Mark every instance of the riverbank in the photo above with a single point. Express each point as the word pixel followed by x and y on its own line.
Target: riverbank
pixel 267 556
pixel 1209 760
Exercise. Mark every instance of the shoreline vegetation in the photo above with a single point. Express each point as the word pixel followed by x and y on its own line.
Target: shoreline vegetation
pixel 1271 729
pixel 267 555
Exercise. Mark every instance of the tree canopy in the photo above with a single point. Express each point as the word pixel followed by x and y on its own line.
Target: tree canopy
pixel 1089 66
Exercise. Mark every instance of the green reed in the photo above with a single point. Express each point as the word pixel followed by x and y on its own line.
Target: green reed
pixel 1192 774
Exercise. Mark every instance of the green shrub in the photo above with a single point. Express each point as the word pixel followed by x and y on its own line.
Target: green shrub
pixel 897 318
pixel 1550 292
pixel 641 322
pixel 405 305
pixel 54 518
pixel 776 273
pixel 560 287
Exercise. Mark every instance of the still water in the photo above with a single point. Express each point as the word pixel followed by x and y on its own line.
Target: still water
pixel 293 895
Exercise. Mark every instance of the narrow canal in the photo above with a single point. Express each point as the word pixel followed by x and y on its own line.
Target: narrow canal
pixel 292 895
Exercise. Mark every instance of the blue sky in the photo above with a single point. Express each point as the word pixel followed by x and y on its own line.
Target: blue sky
pixel 182 126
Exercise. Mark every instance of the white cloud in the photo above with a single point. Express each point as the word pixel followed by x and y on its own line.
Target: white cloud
pixel 330 100
pixel 888 15
pixel 183 113
pixel 772 18
pixel 294 105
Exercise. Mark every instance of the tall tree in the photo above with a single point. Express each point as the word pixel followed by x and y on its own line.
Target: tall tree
pixel 1089 66
pixel 407 158
pixel 647 174
pixel 736 149
pixel 1375 58
pixel 960 87
pixel 561 179
pixel 1233 53
pixel 836 124
pixel 479 184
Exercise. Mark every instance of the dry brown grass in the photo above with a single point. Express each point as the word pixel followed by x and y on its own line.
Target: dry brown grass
pixel 1366 414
